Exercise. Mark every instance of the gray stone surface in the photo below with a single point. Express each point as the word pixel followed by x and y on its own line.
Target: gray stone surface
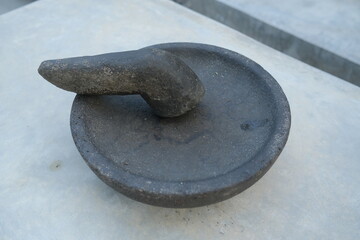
pixel 321 33
pixel 165 82
pixel 212 153
pixel 48 192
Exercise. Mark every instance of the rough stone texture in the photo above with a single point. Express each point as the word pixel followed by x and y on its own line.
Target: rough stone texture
pixel 168 85
pixel 208 155
pixel 320 33
pixel 48 192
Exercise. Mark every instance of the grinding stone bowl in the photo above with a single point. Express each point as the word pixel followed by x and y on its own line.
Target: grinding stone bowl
pixel 207 155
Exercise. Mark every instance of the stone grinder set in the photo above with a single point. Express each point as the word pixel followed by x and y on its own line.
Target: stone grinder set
pixel 217 121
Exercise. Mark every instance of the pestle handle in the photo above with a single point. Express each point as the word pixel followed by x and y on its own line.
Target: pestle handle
pixel 165 82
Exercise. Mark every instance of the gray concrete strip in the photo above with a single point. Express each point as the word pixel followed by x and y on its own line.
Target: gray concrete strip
pixel 48 192
pixel 323 34
pixel 9 5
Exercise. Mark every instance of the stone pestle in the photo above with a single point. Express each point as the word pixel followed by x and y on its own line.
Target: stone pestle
pixel 165 82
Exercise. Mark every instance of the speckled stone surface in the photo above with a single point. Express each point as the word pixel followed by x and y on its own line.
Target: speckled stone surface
pixel 207 155
pixel 48 192
pixel 164 81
